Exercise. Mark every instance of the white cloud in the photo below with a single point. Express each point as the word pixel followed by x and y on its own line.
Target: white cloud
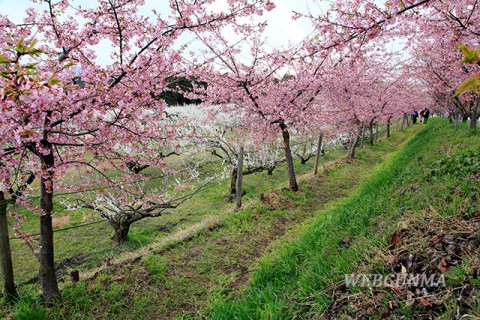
pixel 281 28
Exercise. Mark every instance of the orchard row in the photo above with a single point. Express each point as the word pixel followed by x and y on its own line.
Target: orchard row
pixel 62 111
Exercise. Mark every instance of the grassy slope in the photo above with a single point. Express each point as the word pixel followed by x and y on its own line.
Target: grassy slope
pixel 296 280
pixel 184 280
pixel 87 247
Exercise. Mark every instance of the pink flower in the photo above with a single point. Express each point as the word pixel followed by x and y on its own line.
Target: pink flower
pixel 269 6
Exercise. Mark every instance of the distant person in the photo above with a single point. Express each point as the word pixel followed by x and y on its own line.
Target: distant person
pixel 426 114
pixel 79 82
pixel 422 114
pixel 414 116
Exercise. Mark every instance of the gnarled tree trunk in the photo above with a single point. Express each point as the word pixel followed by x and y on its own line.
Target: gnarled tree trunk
pixel 6 266
pixel 353 145
pixel 121 229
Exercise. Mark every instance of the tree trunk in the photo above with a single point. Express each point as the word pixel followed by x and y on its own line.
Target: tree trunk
pixel 239 178
pixel 474 118
pixel 6 266
pixel 120 232
pixel 464 118
pixel 457 115
pixel 403 122
pixel 363 136
pixel 46 255
pixel 351 150
pixel 233 184
pixel 370 130
pixel 317 156
pixel 288 156
pixel 388 126
pixel 376 132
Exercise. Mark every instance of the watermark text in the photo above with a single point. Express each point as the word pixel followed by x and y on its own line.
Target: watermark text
pixel 395 280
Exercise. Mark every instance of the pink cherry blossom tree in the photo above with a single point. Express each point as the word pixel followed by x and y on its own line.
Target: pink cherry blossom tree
pixel 276 90
pixel 54 118
pixel 426 27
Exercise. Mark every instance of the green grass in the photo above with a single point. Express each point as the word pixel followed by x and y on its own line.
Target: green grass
pixel 198 277
pixel 93 242
pixel 291 282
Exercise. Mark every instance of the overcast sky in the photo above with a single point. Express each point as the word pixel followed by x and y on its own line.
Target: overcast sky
pixel 281 28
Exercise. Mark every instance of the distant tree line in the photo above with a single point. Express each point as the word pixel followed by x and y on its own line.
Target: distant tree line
pixel 179 88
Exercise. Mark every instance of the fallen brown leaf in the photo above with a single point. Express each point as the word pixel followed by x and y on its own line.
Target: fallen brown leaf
pixel 425 302
pixel 396 239
pixel 442 266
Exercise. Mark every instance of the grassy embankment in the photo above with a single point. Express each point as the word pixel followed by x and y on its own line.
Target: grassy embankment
pixel 428 193
pixel 190 278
